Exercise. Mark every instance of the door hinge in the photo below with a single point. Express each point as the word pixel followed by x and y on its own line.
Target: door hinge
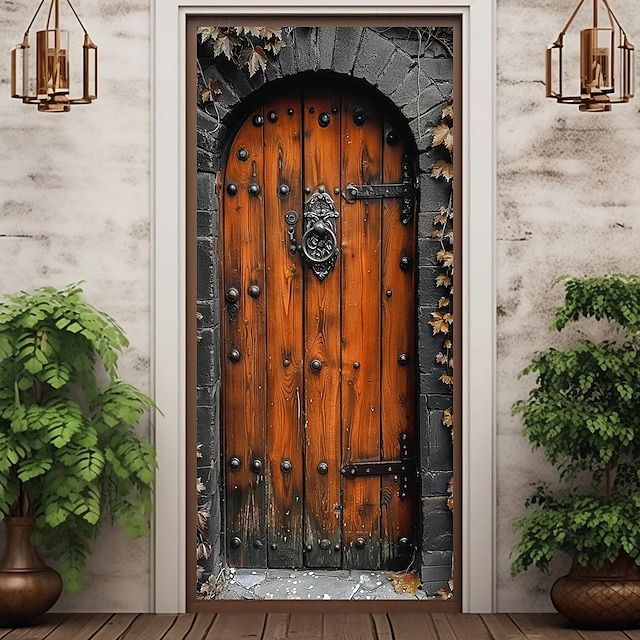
pixel 406 190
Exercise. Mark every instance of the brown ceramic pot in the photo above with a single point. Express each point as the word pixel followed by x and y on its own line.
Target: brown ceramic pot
pixel 28 588
pixel 605 598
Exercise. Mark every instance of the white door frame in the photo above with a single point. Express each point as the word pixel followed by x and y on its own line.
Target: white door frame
pixel 478 239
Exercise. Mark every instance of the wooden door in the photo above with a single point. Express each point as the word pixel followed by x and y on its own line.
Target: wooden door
pixel 319 336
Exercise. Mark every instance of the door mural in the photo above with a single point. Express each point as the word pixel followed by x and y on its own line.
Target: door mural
pixel 318 246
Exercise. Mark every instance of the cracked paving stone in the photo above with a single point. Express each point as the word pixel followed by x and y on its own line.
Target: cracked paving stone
pixel 249 579
pixel 309 587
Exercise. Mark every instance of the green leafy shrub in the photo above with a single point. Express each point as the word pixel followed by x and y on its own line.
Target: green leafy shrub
pixel 584 412
pixel 69 454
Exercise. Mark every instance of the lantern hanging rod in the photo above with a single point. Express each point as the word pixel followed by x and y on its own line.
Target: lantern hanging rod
pixel 35 15
pixel 612 17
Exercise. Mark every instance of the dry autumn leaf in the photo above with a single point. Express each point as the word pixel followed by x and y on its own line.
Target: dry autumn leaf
pixel 445 378
pixel 211 91
pixel 441 358
pixel 439 324
pixel 442 169
pixel 443 280
pixel 405 582
pixel 445 257
pixel 447 112
pixel 447 418
pixel 443 302
pixel 447 344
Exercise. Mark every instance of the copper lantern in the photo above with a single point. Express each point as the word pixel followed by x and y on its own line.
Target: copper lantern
pixel 46 80
pixel 604 62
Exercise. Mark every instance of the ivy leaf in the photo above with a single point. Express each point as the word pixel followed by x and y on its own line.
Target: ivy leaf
pixel 255 60
pixel 442 135
pixel 447 112
pixel 442 169
pixel 224 45
pixel 445 258
pixel 211 92
pixel 207 33
pixel 443 280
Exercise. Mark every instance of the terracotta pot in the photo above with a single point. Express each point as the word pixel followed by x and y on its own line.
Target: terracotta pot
pixel 605 598
pixel 28 588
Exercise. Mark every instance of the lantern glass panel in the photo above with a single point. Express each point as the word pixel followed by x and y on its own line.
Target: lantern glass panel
pixel 90 72
pixel 52 72
pixel 19 83
pixel 553 79
pixel 596 61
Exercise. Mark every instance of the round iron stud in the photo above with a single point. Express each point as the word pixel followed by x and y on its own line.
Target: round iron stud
pixel 290 111
pixel 256 466
pixel 336 190
pixel 272 116
pixel 232 189
pixel 234 355
pixel 356 365
pixel 285 466
pixel 258 544
pixel 325 544
pixel 360 543
pixel 254 189
pixel 359 117
pixel 324 119
pixel 308 547
pixel 321 189
pixel 235 543
pixel 242 154
pixel 307 189
pixel 334 110
pixel 274 546
pixel 388 293
pixel 323 468
pixel 392 138
pixel 315 365
pixel 283 190
pixel 404 543
pixel 403 359
pixel 232 295
pixel 258 120
pixel 253 290
pixel 405 263
pixel 234 464
pixel 233 309
pixel 286 362
pixel 312 109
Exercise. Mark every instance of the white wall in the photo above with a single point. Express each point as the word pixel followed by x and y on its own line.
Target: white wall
pixel 74 205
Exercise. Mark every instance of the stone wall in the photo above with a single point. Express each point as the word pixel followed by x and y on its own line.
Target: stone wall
pixel 387 59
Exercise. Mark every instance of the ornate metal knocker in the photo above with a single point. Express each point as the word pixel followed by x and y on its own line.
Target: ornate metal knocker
pixel 319 245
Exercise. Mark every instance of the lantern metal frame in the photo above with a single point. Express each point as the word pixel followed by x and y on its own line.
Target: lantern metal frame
pixel 600 94
pixel 49 86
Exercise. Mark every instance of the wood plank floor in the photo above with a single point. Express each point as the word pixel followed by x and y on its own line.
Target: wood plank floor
pixel 310 626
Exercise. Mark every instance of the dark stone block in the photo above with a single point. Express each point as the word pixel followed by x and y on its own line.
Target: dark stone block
pixel 437 522
pixel 442 402
pixel 206 186
pixel 431 99
pixel 205 309
pixel 437 559
pixel 204 223
pixel 439 445
pixel 374 54
pixel 287 60
pixel 428 292
pixel 435 574
pixel 207 161
pixel 346 48
pixel 428 249
pixel 435 483
pixel 394 72
pixel 206 270
pixel 325 42
pixel 439 68
pixel 205 396
pixel 228 95
pixel 205 370
pixel 306 49
pixel 273 70
pixel 235 76
pixel 434 193
pixel 432 589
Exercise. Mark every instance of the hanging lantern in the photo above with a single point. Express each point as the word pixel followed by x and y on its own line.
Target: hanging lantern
pixel 606 64
pixel 47 81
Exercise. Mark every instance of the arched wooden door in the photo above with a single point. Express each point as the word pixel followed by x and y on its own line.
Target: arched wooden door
pixel 319 336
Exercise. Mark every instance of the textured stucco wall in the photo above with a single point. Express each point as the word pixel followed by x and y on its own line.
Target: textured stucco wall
pixel 74 205
pixel 568 202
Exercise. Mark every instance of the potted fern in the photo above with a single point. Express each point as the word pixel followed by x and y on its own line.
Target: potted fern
pixel 69 455
pixel 584 411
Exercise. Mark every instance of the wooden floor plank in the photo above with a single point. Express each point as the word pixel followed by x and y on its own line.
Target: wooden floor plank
pixel 181 627
pixel 150 626
pixel 305 626
pixel 79 626
pixel 276 626
pixel 633 634
pixel 502 627
pixel 443 626
pixel 382 626
pixel 348 626
pixel 409 626
pixel 467 626
pixel 41 630
pixel 543 626
pixel 602 635
pixel 201 626
pixel 237 626
pixel 115 626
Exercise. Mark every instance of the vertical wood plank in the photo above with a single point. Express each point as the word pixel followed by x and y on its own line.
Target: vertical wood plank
pixel 398 410
pixel 237 626
pixel 243 248
pixel 360 261
pixel 305 626
pixel 283 165
pixel 348 626
pixel 322 342
pixel 409 626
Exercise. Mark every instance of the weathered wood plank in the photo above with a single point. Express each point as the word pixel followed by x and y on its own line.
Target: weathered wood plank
pixel 276 626
pixel 323 514
pixel 285 355
pixel 410 626
pixel 382 626
pixel 543 626
pixel 181 627
pixel 502 627
pixel 360 261
pixel 443 626
pixel 79 626
pixel 201 626
pixel 40 630
pixel 237 626
pixel 398 410
pixel 305 626
pixel 149 626
pixel 115 626
pixel 467 626
pixel 348 626
pixel 244 380
pixel 602 635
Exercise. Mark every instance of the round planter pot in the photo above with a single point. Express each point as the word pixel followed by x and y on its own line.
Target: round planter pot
pixel 605 598
pixel 28 587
